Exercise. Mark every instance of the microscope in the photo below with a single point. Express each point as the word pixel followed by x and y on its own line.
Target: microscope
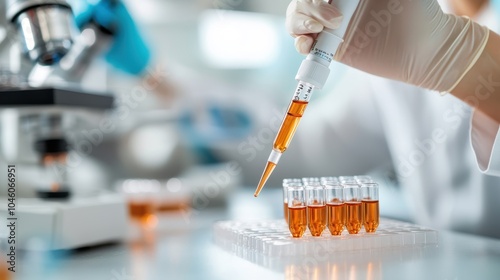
pixel 48 38
pixel 37 117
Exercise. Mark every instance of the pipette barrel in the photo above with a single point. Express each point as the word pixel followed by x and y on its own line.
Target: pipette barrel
pixel 313 73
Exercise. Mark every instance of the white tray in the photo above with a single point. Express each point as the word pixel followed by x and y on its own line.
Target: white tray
pixel 272 238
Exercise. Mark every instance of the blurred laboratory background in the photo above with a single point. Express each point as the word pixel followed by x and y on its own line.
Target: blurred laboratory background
pixel 197 83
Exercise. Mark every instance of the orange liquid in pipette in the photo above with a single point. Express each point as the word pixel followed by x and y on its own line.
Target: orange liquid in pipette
pixel 284 137
pixel 289 125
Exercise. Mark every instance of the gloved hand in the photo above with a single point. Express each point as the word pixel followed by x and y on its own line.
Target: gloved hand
pixel 409 41
pixel 129 51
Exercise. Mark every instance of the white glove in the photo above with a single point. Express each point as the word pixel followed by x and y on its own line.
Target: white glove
pixel 409 41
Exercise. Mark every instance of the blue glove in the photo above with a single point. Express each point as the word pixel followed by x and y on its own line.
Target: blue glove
pixel 496 6
pixel 128 51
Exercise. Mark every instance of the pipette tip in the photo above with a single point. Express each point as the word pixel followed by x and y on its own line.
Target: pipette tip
pixel 260 186
pixel 265 175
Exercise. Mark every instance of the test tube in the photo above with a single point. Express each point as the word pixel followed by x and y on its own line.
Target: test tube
pixel 354 214
pixel 336 218
pixel 346 179
pixel 141 196
pixel 286 183
pixel 316 208
pixel 369 198
pixel 285 199
pixel 363 179
pixel 292 181
pixel 307 180
pixel 297 213
pixel 324 180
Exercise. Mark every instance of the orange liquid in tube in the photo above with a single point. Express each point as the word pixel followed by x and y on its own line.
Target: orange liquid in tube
pixel 353 217
pixel 297 220
pixel 371 215
pixel 316 216
pixel 336 218
pixel 141 211
pixel 285 211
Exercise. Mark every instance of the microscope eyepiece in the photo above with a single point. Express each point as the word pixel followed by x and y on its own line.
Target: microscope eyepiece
pixel 46 28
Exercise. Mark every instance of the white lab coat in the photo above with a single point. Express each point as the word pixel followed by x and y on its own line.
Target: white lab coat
pixel 443 164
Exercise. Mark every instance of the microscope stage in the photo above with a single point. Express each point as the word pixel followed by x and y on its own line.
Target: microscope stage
pixel 54 97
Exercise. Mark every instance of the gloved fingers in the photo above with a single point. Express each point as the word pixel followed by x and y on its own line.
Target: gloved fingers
pixel 300 24
pixel 306 16
pixel 327 14
pixel 303 43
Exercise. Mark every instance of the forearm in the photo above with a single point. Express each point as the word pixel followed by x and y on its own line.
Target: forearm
pixel 480 87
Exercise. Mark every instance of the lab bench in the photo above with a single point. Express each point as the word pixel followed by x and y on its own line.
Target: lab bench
pixel 182 247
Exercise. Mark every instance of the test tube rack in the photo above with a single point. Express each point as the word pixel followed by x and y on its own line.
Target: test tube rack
pixel 273 239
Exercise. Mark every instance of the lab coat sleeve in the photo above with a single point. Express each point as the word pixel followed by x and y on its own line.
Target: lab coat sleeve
pixel 340 134
pixel 485 140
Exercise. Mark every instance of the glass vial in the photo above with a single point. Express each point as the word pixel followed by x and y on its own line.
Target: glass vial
pixel 297 213
pixel 316 208
pixel 336 209
pixel 369 193
pixel 354 214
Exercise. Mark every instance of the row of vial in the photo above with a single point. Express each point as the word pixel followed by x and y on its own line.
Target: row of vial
pixel 317 203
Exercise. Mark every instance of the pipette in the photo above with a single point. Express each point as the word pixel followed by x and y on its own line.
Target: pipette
pixel 312 74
